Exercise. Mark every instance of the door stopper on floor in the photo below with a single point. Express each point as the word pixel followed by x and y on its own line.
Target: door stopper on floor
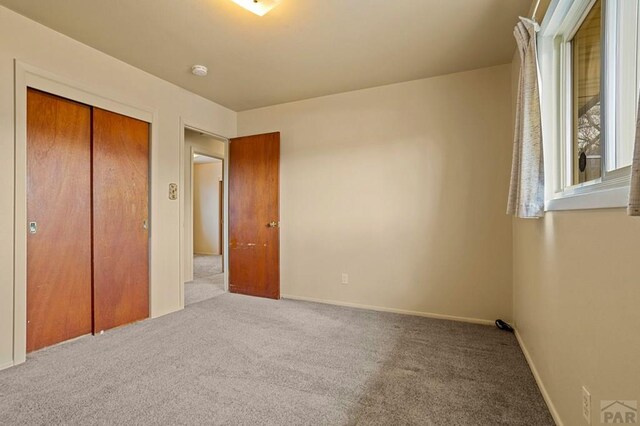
pixel 502 325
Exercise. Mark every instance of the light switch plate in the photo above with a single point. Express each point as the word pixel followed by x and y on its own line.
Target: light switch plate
pixel 586 405
pixel 173 191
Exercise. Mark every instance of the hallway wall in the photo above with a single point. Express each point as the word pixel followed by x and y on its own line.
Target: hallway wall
pixel 202 144
pixel 206 208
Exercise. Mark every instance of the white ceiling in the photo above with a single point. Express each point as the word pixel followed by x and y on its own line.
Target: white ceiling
pixel 301 49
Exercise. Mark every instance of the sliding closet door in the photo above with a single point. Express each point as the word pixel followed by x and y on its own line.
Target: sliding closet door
pixel 59 220
pixel 120 214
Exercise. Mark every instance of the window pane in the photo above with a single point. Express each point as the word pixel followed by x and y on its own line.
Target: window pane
pixel 586 48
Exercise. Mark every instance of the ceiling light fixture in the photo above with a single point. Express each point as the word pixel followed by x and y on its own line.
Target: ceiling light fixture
pixel 259 7
pixel 199 70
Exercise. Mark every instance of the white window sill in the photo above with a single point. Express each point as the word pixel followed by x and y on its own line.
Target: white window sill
pixel 601 195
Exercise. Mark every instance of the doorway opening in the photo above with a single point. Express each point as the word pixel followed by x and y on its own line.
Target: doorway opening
pixel 204 218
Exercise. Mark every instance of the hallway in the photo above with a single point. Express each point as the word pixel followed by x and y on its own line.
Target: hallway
pixel 208 279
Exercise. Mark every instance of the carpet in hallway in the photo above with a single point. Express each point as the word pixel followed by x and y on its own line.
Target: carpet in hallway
pixel 208 279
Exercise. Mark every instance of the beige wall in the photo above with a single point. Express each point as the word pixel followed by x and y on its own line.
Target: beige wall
pixel 206 208
pixel 93 71
pixel 403 187
pixel 194 142
pixel 576 304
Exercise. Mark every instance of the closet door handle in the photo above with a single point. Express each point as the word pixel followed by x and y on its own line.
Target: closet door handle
pixel 145 224
pixel 33 227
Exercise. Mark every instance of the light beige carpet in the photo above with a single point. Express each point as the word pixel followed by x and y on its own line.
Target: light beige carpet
pixel 239 360
pixel 208 279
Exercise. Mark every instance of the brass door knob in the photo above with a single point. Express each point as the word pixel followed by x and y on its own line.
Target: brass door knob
pixel 273 224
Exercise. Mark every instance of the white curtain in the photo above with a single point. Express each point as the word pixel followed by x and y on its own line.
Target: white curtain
pixel 634 194
pixel 526 193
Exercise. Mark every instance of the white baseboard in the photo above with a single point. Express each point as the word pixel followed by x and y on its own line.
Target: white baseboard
pixel 393 310
pixel 536 375
pixel 6 365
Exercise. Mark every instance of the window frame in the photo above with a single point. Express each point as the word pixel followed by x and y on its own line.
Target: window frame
pixel 561 23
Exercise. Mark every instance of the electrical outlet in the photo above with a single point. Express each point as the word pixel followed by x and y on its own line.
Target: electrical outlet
pixel 586 405
pixel 345 278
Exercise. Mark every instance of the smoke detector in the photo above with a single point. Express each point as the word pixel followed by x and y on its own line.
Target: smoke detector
pixel 199 70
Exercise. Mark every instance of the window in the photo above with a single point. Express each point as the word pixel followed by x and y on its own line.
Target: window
pixel 588 51
pixel 586 63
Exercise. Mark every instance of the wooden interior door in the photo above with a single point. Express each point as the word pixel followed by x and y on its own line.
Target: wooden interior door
pixel 254 215
pixel 221 220
pixel 59 219
pixel 120 218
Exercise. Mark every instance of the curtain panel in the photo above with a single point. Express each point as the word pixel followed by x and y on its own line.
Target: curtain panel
pixel 526 192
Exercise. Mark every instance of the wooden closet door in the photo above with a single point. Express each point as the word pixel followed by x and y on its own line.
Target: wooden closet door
pixel 120 214
pixel 59 209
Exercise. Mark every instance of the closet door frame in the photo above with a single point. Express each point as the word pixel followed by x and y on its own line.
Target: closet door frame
pixel 28 76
